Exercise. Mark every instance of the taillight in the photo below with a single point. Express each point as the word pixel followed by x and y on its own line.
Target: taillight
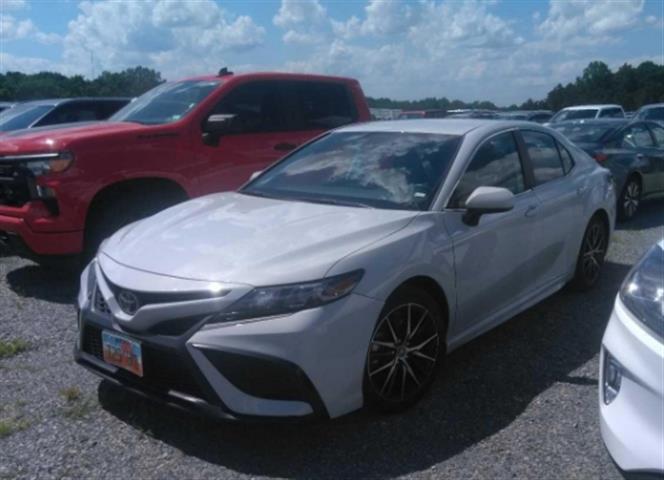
pixel 600 157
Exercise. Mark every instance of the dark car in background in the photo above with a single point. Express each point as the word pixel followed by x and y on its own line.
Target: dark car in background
pixel 42 113
pixel 588 112
pixel 654 111
pixel 632 150
pixel 539 116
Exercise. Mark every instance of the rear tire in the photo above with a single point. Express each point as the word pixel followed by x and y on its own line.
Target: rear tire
pixel 113 212
pixel 406 351
pixel 630 199
pixel 591 255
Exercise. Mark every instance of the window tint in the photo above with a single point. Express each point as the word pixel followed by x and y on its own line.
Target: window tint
pixel 71 113
pixel 543 156
pixel 317 106
pixel 257 107
pixel 658 132
pixel 22 116
pixel 656 113
pixel 496 164
pixel 611 113
pixel 566 157
pixel 637 136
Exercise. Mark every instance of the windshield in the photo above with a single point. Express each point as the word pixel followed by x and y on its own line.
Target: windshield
pixel 22 116
pixel 585 133
pixel 392 170
pixel 574 114
pixel 166 103
pixel 653 114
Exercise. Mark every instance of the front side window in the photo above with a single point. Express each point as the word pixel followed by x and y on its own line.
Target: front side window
pixel 391 170
pixel 637 136
pixel 257 106
pixel 544 156
pixel 495 164
pixel 166 103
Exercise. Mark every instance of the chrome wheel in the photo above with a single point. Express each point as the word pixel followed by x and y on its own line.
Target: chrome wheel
pixel 594 250
pixel 403 353
pixel 631 198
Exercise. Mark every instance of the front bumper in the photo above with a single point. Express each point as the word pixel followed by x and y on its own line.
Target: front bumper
pixel 299 366
pixel 632 425
pixel 31 231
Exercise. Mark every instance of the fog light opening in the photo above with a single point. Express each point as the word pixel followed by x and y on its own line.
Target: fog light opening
pixel 612 378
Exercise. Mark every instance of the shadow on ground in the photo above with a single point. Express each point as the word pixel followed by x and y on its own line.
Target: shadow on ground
pixel 49 284
pixel 486 385
pixel 649 215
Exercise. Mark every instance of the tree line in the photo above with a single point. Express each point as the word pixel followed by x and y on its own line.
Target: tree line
pixel 628 86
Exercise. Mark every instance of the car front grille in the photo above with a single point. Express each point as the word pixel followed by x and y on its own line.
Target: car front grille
pixel 164 369
pixel 14 185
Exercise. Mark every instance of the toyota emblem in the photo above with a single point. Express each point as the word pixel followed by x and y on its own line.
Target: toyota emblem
pixel 128 302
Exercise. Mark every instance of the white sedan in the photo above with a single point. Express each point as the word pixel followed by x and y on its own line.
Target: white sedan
pixel 342 275
pixel 631 397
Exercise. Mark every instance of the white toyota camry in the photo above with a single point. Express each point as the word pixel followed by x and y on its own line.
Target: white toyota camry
pixel 343 274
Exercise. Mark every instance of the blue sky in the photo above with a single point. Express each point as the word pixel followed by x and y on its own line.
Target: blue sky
pixel 501 50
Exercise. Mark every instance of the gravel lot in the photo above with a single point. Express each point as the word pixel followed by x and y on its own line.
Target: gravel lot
pixel 520 402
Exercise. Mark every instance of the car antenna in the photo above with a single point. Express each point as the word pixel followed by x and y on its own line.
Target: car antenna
pixel 224 71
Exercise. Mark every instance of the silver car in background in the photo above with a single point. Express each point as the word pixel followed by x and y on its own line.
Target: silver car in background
pixel 342 275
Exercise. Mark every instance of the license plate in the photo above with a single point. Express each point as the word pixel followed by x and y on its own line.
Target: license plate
pixel 122 352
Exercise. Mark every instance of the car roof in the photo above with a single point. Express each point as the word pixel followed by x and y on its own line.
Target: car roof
pixel 271 76
pixel 586 107
pixel 652 105
pixel 443 126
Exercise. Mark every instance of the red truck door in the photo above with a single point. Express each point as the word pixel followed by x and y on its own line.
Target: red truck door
pixel 272 117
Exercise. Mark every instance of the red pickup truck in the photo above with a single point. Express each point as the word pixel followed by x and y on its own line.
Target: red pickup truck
pixel 63 190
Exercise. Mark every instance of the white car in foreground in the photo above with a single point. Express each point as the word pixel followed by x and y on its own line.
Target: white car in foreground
pixel 631 396
pixel 342 275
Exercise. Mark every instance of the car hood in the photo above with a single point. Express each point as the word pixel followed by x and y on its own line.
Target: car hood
pixel 57 137
pixel 236 238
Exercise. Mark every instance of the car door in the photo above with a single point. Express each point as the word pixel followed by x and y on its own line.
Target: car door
pixel 637 139
pixel 493 259
pixel 556 225
pixel 658 156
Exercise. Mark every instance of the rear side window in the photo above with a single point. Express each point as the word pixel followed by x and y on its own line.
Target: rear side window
pixel 566 157
pixel 495 164
pixel 70 113
pixel 612 113
pixel 257 107
pixel 637 136
pixel 658 132
pixel 317 105
pixel 544 156
pixel 652 114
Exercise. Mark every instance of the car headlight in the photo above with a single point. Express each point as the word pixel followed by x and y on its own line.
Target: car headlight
pixel 44 163
pixel 643 290
pixel 284 299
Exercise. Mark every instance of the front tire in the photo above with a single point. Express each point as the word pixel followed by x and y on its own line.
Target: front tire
pixel 405 352
pixel 630 199
pixel 591 255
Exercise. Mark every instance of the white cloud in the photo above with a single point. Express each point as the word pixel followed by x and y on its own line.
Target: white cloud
pixel 294 13
pixel 9 62
pixel 583 21
pixel 177 38
pixel 14 29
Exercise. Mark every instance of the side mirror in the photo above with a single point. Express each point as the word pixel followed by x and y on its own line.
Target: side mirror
pixel 217 125
pixel 485 200
pixel 255 174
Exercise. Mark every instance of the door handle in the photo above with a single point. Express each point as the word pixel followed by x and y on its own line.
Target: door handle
pixel 531 210
pixel 284 147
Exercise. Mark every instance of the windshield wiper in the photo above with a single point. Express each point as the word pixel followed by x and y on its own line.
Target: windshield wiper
pixel 332 201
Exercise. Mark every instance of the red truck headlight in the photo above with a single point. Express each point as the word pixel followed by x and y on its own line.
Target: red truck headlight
pixel 43 164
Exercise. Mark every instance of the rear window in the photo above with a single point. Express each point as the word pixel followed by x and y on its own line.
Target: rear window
pixel 584 132
pixel 612 113
pixel 319 106
pixel 575 114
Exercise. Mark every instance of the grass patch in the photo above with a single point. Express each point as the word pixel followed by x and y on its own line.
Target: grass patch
pixel 79 408
pixel 71 394
pixel 9 348
pixel 11 425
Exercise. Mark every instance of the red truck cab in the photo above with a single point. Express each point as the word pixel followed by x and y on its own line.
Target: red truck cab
pixel 62 190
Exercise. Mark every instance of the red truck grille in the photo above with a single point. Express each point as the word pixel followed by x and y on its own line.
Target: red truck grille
pixel 14 185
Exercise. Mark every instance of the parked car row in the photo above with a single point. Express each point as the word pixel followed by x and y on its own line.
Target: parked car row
pixel 324 263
